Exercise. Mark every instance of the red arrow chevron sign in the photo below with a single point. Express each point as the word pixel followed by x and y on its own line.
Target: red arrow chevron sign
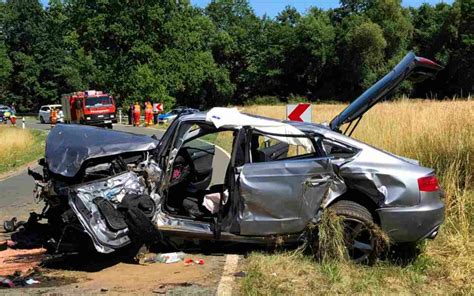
pixel 300 112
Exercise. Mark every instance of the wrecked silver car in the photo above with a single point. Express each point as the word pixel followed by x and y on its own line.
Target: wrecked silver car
pixel 227 176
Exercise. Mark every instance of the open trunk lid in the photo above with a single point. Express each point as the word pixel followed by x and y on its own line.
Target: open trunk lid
pixel 417 68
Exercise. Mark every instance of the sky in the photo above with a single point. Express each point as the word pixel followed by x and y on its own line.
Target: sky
pixel 273 7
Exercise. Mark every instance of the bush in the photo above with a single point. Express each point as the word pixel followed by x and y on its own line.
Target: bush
pixel 265 100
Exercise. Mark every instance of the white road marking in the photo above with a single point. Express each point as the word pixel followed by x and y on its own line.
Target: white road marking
pixel 230 267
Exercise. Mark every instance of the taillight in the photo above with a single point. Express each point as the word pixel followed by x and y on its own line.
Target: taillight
pixel 428 184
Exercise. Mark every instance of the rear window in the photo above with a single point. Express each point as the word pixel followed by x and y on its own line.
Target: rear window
pixel 98 101
pixel 338 150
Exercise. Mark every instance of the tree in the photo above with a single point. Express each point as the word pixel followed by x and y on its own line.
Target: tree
pixel 171 51
pixel 5 70
pixel 238 30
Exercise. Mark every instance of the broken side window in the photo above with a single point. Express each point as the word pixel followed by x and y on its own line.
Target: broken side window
pixel 265 147
pixel 337 150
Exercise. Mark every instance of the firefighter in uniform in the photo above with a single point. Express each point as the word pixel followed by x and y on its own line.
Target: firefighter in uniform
pixel 53 117
pixel 148 114
pixel 78 108
pixel 136 114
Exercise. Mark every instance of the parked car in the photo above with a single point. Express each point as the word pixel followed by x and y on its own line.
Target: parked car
pixel 171 115
pixel 226 176
pixel 3 110
pixel 44 113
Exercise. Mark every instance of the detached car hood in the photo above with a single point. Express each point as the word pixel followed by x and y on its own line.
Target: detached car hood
pixel 68 146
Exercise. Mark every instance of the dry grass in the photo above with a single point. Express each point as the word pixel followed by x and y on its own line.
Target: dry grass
pixel 19 146
pixel 441 136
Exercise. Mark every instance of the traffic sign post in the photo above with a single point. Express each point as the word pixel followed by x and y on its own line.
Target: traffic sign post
pixel 159 107
pixel 299 112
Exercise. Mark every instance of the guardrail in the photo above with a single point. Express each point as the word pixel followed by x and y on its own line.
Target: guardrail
pixel 26 114
pixel 122 117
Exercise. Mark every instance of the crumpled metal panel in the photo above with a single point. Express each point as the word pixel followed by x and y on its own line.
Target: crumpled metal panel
pixel 387 179
pixel 164 221
pixel 113 189
pixel 68 146
pixel 283 196
pixel 336 188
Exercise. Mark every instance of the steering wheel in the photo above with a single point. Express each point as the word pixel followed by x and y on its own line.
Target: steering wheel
pixel 188 161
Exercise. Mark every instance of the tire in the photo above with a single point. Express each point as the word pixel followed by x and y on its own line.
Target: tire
pixel 42 120
pixel 359 236
pixel 109 126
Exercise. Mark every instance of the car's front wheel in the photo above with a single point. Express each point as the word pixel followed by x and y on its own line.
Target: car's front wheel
pixel 360 235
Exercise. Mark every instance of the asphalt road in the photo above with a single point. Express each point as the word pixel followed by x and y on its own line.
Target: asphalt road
pixel 16 197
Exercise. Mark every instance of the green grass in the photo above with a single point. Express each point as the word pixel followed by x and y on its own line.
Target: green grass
pixel 20 147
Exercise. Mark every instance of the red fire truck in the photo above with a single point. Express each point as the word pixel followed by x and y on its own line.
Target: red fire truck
pixel 89 107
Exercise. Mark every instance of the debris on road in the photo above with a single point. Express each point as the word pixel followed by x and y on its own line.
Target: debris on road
pixel 190 261
pixel 6 283
pixel 12 225
pixel 17 280
pixel 167 258
pixel 31 281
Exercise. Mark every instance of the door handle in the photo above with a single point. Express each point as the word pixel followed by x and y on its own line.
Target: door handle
pixel 317 180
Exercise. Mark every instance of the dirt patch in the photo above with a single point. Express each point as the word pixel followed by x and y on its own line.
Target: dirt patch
pixel 22 261
pixel 96 276
pixel 125 277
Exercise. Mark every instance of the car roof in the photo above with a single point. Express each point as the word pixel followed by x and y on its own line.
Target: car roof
pixel 303 126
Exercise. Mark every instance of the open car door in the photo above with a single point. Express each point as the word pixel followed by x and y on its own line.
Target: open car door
pixel 411 66
pixel 282 195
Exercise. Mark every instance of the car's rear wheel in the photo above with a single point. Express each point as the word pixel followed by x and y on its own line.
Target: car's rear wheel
pixel 41 119
pixel 359 235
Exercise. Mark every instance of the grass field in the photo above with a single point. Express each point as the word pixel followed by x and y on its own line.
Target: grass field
pixel 19 146
pixel 438 134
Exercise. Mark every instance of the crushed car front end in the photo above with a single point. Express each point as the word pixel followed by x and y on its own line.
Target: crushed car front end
pixel 100 183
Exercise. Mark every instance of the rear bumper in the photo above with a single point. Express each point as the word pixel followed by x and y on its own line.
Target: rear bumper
pixel 412 224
